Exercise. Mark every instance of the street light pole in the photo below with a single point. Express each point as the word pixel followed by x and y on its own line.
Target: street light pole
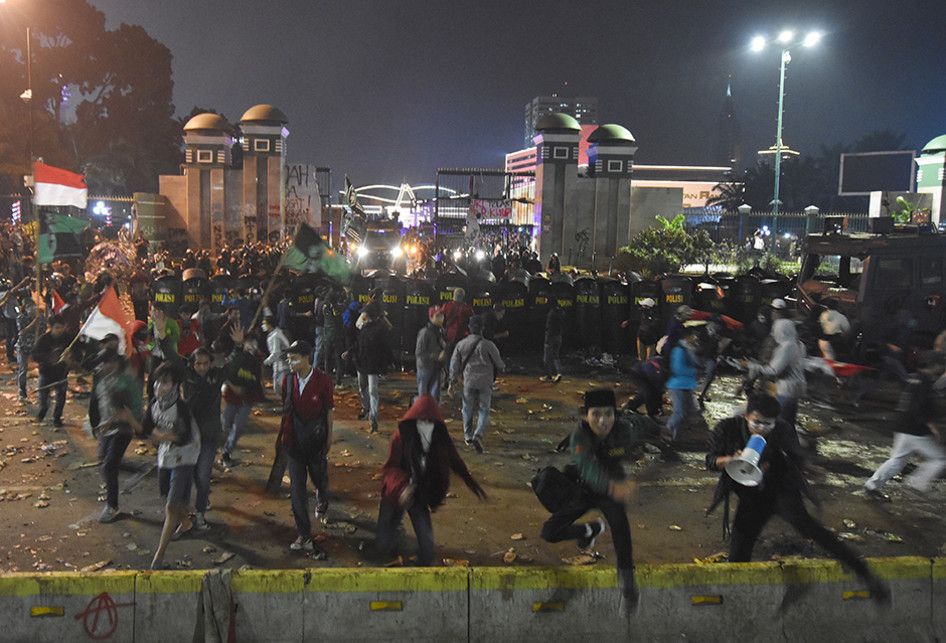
pixel 29 90
pixel 786 58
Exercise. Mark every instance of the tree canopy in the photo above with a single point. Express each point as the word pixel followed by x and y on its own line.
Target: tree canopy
pixel 102 99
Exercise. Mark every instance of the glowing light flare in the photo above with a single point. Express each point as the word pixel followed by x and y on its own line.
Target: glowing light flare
pixel 480 255
pixel 397 252
pixel 757 43
pixel 812 39
pixel 361 252
pixel 785 36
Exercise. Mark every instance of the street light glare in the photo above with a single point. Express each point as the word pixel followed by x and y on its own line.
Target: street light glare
pixel 757 43
pixel 812 39
pixel 786 36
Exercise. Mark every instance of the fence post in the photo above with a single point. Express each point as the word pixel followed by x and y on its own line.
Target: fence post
pixel 744 211
pixel 811 217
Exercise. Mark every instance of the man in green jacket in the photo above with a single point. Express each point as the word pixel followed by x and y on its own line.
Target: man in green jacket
pixel 599 446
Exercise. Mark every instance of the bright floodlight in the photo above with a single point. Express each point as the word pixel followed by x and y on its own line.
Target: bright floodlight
pixel 480 255
pixel 786 36
pixel 757 43
pixel 456 255
pixel 812 38
pixel 362 252
pixel 396 252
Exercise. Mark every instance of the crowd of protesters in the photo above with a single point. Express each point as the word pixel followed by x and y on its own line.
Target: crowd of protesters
pixel 192 376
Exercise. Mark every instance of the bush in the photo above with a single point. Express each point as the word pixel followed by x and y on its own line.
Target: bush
pixel 664 248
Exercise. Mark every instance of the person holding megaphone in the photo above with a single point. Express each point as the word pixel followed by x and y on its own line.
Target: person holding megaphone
pixel 761 462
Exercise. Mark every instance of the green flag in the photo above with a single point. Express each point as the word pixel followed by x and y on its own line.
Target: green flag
pixel 309 254
pixel 58 236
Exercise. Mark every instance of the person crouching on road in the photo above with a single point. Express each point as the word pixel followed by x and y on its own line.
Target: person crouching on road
pixel 780 490
pixel 598 446
pixel 477 359
pixel 430 353
pixel 416 477
pixel 306 435
pixel 170 425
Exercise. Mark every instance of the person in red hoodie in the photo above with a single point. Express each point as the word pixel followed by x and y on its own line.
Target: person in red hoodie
pixel 416 477
pixel 456 320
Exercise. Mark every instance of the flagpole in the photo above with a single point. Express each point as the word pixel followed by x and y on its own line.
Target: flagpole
pixel 272 281
pixel 39 274
pixel 88 319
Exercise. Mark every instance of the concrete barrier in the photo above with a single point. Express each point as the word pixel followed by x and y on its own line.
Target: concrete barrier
pixel 718 602
pixel 553 604
pixel 269 604
pixel 67 606
pixel 420 604
pixel 811 600
pixel 159 595
pixel 821 592
pixel 938 601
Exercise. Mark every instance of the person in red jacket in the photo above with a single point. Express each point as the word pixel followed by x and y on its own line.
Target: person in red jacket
pixel 416 477
pixel 306 435
pixel 456 320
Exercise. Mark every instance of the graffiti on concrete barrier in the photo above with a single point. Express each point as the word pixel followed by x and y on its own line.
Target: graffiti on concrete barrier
pixel 100 617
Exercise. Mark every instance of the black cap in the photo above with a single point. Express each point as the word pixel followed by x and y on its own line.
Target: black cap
pixel 299 347
pixel 600 397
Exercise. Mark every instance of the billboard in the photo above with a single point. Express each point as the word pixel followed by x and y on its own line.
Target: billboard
pixel 864 172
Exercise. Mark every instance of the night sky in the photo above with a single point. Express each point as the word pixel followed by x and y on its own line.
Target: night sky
pixel 386 90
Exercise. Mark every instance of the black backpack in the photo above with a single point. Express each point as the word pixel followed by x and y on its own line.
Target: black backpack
pixel 557 490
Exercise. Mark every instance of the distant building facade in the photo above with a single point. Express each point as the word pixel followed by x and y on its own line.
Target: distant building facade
pixel 232 184
pixel 583 109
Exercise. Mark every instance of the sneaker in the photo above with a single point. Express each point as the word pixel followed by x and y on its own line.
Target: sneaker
pixel 302 544
pixel 181 531
pixel 477 445
pixel 557 378
pixel 109 514
pixel 592 531
pixel 57 423
pixel 200 523
pixel 227 461
pixel 876 494
pixel 545 378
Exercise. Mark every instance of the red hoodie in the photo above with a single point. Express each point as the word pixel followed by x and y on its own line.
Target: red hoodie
pixel 402 467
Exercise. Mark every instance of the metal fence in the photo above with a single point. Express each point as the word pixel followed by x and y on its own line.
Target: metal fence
pixel 738 228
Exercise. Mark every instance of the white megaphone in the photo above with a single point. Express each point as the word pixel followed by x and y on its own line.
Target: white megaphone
pixel 745 469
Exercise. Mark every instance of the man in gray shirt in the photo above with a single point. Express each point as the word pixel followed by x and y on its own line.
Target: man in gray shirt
pixel 477 359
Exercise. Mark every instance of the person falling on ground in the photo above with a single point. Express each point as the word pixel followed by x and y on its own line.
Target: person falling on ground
pixel 416 477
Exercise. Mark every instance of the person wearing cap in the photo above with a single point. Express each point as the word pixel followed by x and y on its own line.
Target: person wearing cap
pixel 115 389
pixel 599 446
pixel 430 352
pixel 276 343
pixel 780 492
pixel 416 477
pixel 915 431
pixel 477 360
pixel 682 382
pixel 305 433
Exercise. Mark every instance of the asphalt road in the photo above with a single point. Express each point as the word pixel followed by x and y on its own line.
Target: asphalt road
pixel 49 488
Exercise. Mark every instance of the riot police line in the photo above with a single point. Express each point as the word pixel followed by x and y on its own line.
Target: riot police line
pixel 595 307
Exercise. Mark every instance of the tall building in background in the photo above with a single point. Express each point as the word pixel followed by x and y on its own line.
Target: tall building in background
pixel 728 149
pixel 583 109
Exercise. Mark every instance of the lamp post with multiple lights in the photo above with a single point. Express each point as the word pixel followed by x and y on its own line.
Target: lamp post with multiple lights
pixel 784 40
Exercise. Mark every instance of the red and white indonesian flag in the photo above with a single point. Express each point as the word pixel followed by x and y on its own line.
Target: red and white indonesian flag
pixel 55 186
pixel 108 318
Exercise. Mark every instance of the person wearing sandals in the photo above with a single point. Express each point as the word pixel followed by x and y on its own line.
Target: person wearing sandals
pixel 170 425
